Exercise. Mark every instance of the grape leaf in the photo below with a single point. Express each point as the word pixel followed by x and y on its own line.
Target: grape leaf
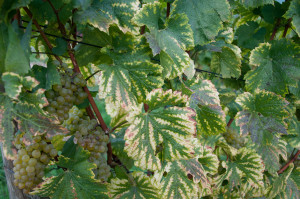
pixel 205 101
pixel 275 66
pixel 137 185
pixel 292 189
pixel 46 76
pixel 171 42
pixel 280 182
pixel 171 127
pixel 16 64
pixel 205 17
pixel 77 181
pixel 245 165
pixel 249 35
pixel 270 148
pixel 176 184
pixel 227 63
pixel 101 14
pixel 12 84
pixel 129 78
pixel 293 12
pixel 255 3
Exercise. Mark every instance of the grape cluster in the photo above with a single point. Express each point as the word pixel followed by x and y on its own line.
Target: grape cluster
pixel 90 137
pixel 234 138
pixel 31 161
pixel 63 96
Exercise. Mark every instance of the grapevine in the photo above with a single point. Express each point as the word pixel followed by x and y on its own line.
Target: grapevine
pixel 150 98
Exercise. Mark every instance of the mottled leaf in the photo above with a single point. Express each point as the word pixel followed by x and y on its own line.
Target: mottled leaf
pixel 205 17
pixel 245 165
pixel 170 127
pixel 275 66
pixel 137 185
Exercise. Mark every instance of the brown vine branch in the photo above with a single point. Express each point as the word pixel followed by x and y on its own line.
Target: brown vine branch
pixel 168 10
pixel 286 27
pixel 289 162
pixel 230 122
pixel 275 29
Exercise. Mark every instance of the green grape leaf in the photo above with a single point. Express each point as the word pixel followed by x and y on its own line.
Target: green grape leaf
pixel 280 182
pixel 207 159
pixel 262 111
pixel 176 184
pixel 129 78
pixel 157 99
pixel 12 84
pixel 275 66
pixel 137 185
pixel 294 13
pixel 292 189
pixel 171 42
pixel 249 35
pixel 205 17
pixel 16 64
pixel 255 3
pixel 270 149
pixel 46 76
pixel 205 101
pixel 118 145
pixel 227 63
pixel 245 165
pixel 266 103
pixel 77 181
pixel 102 14
pixel 61 46
pixel 169 127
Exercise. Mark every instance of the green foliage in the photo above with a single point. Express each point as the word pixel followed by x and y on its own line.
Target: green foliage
pixel 167 125
pixel 275 66
pixel 205 17
pixel 77 180
pixel 245 165
pixel 133 185
pixel 170 42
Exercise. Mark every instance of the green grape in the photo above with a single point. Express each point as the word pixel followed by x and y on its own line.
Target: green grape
pixel 32 162
pixel 57 87
pixel 25 158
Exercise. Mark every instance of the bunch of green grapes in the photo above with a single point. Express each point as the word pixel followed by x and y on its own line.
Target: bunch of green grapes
pixel 234 138
pixel 63 96
pixel 90 137
pixel 31 161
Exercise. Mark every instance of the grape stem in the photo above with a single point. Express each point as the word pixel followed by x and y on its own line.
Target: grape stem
pixel 276 27
pixel 289 162
pixel 76 69
pixel 286 27
pixel 230 122
pixel 168 10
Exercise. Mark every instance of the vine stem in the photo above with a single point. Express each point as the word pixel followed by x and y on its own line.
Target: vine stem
pixel 289 162
pixel 168 10
pixel 230 122
pixel 275 29
pixel 286 27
